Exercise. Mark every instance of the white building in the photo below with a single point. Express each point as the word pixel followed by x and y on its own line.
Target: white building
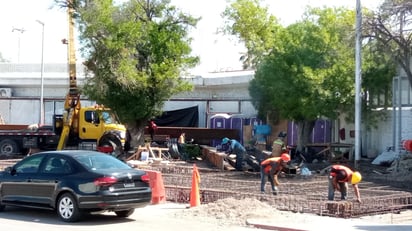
pixel 21 86
pixel 214 93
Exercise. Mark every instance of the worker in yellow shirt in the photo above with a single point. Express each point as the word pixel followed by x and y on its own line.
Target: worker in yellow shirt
pixel 278 146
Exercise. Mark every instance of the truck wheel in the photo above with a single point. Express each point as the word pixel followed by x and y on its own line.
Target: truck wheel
pixel 116 146
pixel 8 147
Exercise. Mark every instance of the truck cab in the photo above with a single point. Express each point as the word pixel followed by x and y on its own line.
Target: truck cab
pixel 95 127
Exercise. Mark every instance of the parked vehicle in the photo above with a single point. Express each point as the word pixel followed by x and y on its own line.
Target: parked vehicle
pixel 19 139
pixel 97 127
pixel 91 128
pixel 74 182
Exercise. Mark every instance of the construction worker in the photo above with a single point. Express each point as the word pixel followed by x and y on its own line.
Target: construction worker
pixel 238 149
pixel 182 138
pixel 271 168
pixel 181 146
pixel 152 128
pixel 278 146
pixel 339 177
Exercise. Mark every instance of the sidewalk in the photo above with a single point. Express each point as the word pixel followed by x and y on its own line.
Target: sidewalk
pixel 310 222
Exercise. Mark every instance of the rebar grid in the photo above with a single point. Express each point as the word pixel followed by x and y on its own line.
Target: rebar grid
pixel 296 193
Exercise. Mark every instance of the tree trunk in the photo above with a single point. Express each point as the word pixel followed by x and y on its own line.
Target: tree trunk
pixel 304 129
pixel 135 135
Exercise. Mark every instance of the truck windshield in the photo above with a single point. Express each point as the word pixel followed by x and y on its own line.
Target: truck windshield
pixel 109 117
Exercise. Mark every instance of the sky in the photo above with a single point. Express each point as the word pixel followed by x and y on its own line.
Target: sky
pixel 21 31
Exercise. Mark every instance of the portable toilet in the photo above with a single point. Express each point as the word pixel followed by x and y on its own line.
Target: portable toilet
pixel 219 121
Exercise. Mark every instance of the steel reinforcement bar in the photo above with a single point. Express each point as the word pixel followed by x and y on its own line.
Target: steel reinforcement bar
pixel 297 195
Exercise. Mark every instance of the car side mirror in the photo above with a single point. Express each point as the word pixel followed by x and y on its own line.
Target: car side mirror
pixel 10 170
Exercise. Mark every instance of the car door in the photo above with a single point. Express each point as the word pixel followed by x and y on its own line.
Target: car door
pixel 17 185
pixel 49 179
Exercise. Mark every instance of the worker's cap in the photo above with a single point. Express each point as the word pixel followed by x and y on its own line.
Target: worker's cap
pixel 285 157
pixel 225 140
pixel 282 134
pixel 356 177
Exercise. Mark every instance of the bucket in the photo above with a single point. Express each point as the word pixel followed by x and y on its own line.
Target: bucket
pixel 407 145
pixel 144 156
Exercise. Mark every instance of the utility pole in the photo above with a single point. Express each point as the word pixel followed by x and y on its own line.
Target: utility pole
pixel 358 82
pixel 41 121
pixel 21 30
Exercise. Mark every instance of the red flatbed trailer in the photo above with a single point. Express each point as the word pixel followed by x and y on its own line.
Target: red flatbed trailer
pixel 20 139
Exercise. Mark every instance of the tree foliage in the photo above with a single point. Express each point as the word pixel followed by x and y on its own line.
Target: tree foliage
pixel 137 53
pixel 379 68
pixel 310 74
pixel 307 69
pixel 252 25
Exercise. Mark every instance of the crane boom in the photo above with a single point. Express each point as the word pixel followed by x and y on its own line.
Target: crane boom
pixel 72 101
pixel 92 127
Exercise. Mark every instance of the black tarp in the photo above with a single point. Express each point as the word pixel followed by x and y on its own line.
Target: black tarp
pixel 186 117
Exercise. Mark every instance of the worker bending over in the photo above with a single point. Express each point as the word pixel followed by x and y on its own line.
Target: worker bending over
pixel 339 177
pixel 271 168
pixel 238 149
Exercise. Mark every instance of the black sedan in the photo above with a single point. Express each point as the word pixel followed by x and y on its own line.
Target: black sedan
pixel 74 182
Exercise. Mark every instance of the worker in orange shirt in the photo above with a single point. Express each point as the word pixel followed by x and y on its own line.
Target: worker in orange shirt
pixel 339 177
pixel 271 168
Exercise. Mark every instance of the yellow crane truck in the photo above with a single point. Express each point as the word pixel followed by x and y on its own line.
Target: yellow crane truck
pixel 94 127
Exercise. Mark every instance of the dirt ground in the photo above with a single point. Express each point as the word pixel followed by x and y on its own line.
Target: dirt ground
pixel 230 211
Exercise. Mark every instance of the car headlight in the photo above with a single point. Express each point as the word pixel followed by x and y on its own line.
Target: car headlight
pixel 123 135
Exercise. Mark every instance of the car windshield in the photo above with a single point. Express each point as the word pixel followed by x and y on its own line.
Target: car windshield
pixel 109 117
pixel 96 162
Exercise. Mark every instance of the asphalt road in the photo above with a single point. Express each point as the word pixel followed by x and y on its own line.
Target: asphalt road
pixel 160 217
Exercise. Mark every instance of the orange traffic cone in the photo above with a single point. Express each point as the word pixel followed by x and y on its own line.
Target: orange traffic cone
pixel 195 192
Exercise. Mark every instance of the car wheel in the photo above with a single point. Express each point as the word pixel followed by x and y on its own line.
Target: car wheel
pixel 124 213
pixel 67 208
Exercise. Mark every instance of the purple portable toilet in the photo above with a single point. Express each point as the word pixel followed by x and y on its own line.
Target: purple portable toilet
pixel 237 122
pixel 321 133
pixel 219 121
pixel 292 133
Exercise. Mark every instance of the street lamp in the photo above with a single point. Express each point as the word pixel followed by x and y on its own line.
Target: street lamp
pixel 41 74
pixel 21 30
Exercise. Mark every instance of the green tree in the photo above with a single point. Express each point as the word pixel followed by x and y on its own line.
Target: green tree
pixel 379 68
pixel 253 26
pixel 307 70
pixel 310 74
pixel 137 53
